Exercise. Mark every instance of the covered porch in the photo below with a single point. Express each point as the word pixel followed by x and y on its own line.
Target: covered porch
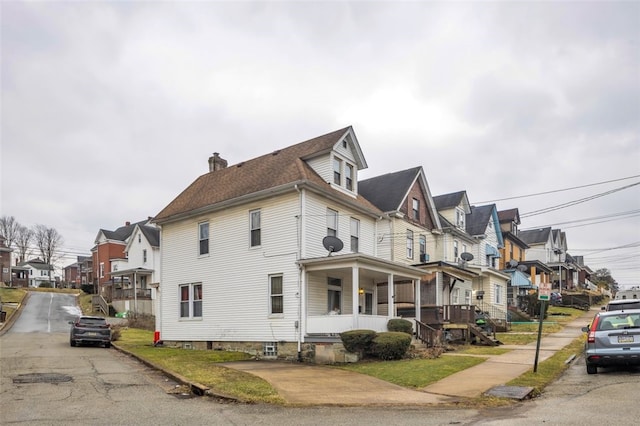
pixel 131 290
pixel 351 291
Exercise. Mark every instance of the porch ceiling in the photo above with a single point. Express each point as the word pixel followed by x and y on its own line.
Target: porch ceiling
pixel 369 266
pixel 124 272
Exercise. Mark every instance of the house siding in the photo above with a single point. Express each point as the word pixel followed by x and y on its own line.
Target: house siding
pixel 234 276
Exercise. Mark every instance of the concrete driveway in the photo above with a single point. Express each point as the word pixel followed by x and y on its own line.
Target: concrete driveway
pixel 303 384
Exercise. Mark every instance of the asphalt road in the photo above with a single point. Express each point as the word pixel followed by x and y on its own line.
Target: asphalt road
pixel 44 381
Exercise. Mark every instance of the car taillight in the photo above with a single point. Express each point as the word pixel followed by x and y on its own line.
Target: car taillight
pixel 592 331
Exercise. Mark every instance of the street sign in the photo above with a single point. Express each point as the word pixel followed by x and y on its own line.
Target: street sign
pixel 544 291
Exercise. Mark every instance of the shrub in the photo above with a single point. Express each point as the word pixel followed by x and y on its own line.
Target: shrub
pixel 391 345
pixel 115 333
pixel 401 325
pixel 142 321
pixel 358 341
pixel 45 285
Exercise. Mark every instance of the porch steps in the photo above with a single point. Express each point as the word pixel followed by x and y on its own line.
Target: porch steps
pixel 483 336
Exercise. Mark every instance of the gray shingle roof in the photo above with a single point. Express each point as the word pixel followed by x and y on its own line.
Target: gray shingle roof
pixel 448 201
pixel 388 191
pixel 478 219
pixel 535 236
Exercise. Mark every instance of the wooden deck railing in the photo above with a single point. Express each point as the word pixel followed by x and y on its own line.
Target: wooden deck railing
pixel 98 303
pixel 428 335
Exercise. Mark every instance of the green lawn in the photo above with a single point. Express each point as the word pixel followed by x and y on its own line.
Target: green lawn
pixel 414 373
pixel 200 366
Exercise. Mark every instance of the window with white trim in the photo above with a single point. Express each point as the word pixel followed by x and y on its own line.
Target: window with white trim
pixel 144 255
pixel 334 295
pixel 409 244
pixel 455 251
pixel 423 247
pixel 337 171
pixel 415 207
pixel 101 269
pixel 276 294
pixel 497 288
pixel 256 228
pixel 460 218
pixel 467 297
pixel 355 235
pixel 332 223
pixel 203 238
pixel 455 296
pixel 348 172
pixel 191 300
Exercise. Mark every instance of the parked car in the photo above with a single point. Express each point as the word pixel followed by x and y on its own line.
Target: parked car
pixel 556 299
pixel 622 305
pixel 88 329
pixel 613 339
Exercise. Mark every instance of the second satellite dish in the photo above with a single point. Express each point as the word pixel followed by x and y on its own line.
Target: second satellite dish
pixel 332 244
pixel 466 256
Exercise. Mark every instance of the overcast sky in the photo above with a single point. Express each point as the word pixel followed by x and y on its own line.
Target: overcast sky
pixel 110 109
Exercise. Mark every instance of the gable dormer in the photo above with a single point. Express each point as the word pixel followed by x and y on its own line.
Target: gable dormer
pixel 454 207
pixel 340 165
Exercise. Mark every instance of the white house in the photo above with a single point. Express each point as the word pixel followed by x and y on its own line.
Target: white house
pixel 247 265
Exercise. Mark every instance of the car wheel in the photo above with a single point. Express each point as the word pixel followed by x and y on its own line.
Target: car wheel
pixel 107 345
pixel 592 369
pixel 72 343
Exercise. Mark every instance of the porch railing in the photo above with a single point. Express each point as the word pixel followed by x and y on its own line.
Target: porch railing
pixel 128 293
pixel 428 335
pixel 98 303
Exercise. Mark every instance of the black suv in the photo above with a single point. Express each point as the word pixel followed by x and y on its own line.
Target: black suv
pixel 86 329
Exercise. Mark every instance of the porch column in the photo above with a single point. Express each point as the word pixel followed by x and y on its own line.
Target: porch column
pixel 391 310
pixel 355 284
pixel 416 301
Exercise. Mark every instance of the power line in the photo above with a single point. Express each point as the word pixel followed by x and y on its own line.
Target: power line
pixel 556 190
pixel 575 202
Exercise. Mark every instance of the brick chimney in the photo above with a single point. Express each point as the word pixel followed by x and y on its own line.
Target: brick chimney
pixel 216 162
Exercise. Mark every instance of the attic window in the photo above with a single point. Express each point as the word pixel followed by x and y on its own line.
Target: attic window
pixel 344 144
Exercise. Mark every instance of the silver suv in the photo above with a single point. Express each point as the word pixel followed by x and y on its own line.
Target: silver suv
pixel 622 305
pixel 613 339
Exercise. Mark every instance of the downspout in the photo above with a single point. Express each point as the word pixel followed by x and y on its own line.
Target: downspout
pixel 300 271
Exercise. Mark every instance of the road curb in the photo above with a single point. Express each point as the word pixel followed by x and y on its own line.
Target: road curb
pixel 196 388
pixel 6 326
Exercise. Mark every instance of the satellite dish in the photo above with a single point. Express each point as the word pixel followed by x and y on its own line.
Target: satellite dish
pixel 466 256
pixel 522 268
pixel 513 263
pixel 332 244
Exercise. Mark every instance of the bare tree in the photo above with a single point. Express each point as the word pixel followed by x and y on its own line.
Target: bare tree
pixel 9 229
pixel 48 241
pixel 23 241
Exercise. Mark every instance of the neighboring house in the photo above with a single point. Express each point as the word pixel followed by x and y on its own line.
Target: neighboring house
pixel 483 225
pixel 243 260
pixel 108 253
pixel 412 234
pixel 512 258
pixel 36 273
pixel 550 247
pixel 5 261
pixel 76 274
pixel 452 273
pixel 137 276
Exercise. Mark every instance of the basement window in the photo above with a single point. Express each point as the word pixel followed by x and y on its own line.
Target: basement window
pixel 270 349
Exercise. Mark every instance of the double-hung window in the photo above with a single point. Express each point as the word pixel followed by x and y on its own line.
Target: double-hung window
pixel 348 171
pixel 455 251
pixel 498 293
pixel 256 228
pixel 355 235
pixel 276 295
pixel 332 223
pixel 144 255
pixel 203 237
pixel 415 206
pixel 423 248
pixel 191 300
pixel 334 295
pixel 409 244
pixel 337 171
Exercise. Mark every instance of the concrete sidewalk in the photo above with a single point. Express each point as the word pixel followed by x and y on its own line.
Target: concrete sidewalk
pixel 303 384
